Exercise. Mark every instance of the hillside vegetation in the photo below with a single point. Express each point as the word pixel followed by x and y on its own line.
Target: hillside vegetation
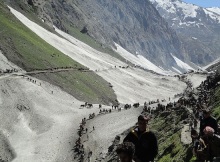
pixel 24 48
pixel 216 103
pixel 215 100
pixel 168 130
pixel 32 12
pixel 167 127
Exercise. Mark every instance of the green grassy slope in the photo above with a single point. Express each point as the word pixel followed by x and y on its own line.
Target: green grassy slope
pixel 32 11
pixel 24 48
pixel 168 132
pixel 216 103
pixel 170 146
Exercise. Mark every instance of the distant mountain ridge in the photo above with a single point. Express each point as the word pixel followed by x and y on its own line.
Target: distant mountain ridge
pixel 197 27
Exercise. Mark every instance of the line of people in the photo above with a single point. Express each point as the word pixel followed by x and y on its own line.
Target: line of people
pixel 79 147
pixel 8 71
pixel 141 145
pixel 206 141
pixel 60 68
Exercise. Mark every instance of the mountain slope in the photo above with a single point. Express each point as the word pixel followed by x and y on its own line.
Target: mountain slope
pixel 47 129
pixel 140 30
pixel 25 49
pixel 119 74
pixel 197 27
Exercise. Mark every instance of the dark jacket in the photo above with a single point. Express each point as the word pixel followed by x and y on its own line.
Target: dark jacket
pixel 214 146
pixel 211 122
pixel 145 143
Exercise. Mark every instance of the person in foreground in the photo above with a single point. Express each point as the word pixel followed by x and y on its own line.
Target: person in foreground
pixel 145 141
pixel 208 120
pixel 125 152
pixel 213 142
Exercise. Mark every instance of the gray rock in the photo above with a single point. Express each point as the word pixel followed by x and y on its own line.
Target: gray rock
pixel 135 25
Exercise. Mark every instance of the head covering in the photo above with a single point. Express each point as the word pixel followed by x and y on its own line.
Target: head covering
pixel 143 117
pixel 208 130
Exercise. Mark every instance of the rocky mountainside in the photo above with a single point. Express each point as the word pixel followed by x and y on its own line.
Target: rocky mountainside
pixel 135 25
pixel 198 28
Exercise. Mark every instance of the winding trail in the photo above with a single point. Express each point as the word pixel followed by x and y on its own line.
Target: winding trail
pixel 24 73
pixel 107 126
pixel 196 80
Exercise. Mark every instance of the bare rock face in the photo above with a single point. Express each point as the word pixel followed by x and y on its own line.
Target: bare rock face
pixel 135 25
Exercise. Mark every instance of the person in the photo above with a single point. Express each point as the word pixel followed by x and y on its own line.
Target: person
pixel 199 146
pixel 213 141
pixel 190 124
pixel 145 103
pixel 195 122
pixel 145 141
pixel 125 151
pixel 195 138
pixel 200 114
pixel 208 120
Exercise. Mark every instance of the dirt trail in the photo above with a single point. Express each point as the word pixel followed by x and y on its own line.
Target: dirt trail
pixel 196 80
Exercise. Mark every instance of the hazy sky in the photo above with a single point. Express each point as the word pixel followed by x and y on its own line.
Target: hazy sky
pixel 205 3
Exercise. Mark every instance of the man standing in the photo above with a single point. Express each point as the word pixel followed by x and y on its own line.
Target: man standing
pixel 213 142
pixel 208 120
pixel 145 141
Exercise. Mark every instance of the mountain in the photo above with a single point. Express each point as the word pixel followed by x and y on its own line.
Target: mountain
pixel 197 27
pixel 134 25
pixel 40 121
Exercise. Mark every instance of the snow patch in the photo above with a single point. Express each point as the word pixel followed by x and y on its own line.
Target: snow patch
pixel 176 70
pixel 194 38
pixel 215 16
pixel 182 64
pixel 137 60
pixel 189 10
pixel 212 63
pixel 140 60
pixel 214 9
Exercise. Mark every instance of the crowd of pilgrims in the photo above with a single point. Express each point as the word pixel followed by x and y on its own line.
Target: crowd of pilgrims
pixel 203 127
